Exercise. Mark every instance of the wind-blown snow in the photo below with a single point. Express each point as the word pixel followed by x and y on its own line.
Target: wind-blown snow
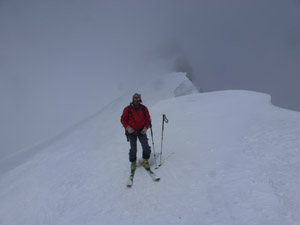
pixel 229 158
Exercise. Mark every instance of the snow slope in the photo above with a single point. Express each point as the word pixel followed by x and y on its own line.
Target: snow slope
pixel 229 158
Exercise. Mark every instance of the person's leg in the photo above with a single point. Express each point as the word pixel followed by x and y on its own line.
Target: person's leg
pixel 146 148
pixel 133 148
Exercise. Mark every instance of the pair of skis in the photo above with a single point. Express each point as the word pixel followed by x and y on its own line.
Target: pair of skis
pixel 149 171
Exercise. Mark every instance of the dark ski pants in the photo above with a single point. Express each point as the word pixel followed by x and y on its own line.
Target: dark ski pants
pixel 133 146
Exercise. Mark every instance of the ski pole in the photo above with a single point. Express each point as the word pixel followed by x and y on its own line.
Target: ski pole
pixel 164 120
pixel 153 145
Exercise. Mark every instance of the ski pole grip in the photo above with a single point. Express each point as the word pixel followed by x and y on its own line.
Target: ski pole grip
pixel 165 118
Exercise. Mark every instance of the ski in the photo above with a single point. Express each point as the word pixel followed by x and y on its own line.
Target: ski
pixel 152 175
pixel 130 179
pixel 149 171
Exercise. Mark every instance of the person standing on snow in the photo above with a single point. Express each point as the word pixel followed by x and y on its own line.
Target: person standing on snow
pixel 136 121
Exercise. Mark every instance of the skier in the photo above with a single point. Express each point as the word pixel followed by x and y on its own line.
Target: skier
pixel 136 120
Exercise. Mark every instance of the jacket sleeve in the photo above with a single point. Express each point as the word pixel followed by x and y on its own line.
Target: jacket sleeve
pixel 148 118
pixel 124 117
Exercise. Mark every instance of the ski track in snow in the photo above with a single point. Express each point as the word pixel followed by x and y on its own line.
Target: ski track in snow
pixel 229 158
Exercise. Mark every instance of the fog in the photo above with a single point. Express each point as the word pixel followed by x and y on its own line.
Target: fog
pixel 61 61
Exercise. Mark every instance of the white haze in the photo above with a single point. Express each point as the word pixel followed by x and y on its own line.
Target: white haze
pixel 61 61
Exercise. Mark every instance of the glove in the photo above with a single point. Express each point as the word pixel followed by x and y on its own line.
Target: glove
pixel 130 129
pixel 144 131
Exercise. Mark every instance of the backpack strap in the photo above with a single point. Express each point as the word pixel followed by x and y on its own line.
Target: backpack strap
pixel 129 112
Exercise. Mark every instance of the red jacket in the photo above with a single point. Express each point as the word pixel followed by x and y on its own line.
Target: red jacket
pixel 136 118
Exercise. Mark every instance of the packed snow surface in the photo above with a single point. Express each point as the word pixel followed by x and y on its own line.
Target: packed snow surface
pixel 229 158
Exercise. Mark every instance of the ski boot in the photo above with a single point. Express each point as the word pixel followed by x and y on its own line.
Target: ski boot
pixel 133 166
pixel 146 164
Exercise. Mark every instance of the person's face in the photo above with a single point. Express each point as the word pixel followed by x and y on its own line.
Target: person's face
pixel 136 100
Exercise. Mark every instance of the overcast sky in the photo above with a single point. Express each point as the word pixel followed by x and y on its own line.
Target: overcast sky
pixel 62 60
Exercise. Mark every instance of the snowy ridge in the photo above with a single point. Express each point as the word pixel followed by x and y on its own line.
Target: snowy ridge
pixel 229 158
